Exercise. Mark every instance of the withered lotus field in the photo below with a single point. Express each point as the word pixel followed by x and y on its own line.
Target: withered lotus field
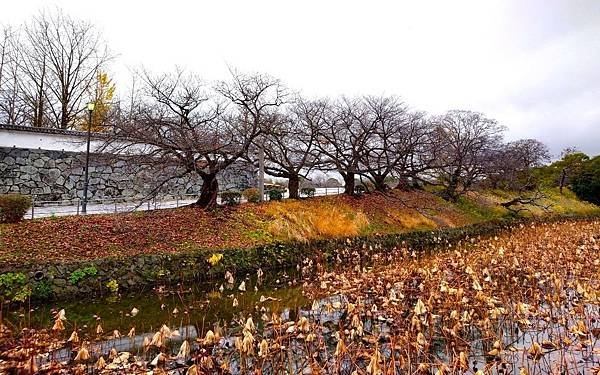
pixel 526 301
pixel 523 302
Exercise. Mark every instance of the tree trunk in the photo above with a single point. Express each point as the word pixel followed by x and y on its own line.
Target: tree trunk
pixel 39 112
pixel 294 186
pixel 209 192
pixel 380 185
pixel 349 183
pixel 64 115
pixel 563 177
pixel 449 192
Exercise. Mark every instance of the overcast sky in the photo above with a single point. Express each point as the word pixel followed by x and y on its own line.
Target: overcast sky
pixel 534 65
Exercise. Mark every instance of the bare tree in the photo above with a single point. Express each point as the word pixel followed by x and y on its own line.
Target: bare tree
pixel 510 165
pixel 463 142
pixel 516 161
pixel 343 137
pixel 524 155
pixel 256 99
pixel 180 127
pixel 60 58
pixel 524 202
pixel 5 38
pixel 12 110
pixel 290 145
pixel 32 71
pixel 397 138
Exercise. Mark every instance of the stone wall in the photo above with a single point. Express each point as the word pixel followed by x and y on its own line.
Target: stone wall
pixel 59 175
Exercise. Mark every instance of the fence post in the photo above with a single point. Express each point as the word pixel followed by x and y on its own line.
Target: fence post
pixel 115 206
pixel 177 202
pixel 32 206
pixel 77 206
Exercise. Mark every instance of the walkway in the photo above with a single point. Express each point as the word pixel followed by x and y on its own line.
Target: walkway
pixel 105 206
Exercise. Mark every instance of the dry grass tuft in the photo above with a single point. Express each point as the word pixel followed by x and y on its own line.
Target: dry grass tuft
pixel 415 220
pixel 395 220
pixel 295 220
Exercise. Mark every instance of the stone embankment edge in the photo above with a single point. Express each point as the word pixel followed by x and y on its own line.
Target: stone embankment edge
pixel 148 270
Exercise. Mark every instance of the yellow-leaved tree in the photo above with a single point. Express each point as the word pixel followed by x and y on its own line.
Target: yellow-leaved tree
pixel 103 102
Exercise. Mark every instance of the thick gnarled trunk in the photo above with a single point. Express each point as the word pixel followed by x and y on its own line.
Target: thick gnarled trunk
pixel 209 192
pixel 294 186
pixel 349 183
pixel 450 192
pixel 380 185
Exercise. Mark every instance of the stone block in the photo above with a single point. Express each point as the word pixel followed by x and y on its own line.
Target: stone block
pixel 29 169
pixel 54 173
pixel 77 171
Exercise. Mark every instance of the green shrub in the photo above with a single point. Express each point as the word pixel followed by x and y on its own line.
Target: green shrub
pixel 231 197
pixel 275 195
pixel 14 287
pixel 308 191
pixel 80 274
pixel 13 207
pixel 586 183
pixel 252 195
pixel 42 290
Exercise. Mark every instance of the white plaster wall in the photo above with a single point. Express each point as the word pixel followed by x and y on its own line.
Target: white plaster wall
pixel 24 139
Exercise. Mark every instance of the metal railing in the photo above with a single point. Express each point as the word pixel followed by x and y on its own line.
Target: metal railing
pixel 49 208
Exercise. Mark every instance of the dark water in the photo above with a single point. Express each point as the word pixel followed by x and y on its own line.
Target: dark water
pixel 200 305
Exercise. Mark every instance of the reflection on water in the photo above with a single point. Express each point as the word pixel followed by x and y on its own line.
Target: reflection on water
pixel 201 305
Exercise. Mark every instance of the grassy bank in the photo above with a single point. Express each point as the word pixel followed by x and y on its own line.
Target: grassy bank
pixel 188 229
pixel 191 245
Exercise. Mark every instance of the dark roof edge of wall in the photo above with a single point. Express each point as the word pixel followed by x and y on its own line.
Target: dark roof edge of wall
pixel 32 129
